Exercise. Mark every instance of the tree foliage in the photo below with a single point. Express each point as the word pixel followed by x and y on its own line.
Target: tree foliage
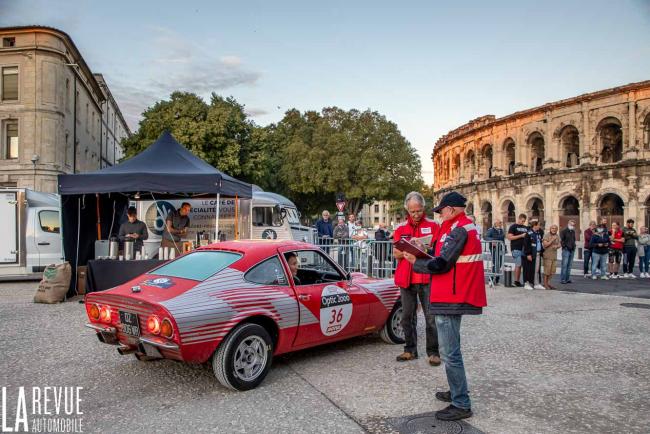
pixel 308 157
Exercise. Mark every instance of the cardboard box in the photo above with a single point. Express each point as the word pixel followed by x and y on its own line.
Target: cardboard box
pixel 81 279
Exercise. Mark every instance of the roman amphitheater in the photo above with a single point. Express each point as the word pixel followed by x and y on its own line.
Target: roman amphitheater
pixel 579 158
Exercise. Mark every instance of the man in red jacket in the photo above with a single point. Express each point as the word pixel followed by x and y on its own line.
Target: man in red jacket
pixel 457 289
pixel 413 285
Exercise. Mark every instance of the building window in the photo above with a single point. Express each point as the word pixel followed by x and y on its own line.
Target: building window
pixel 8 42
pixel 87 117
pixel 376 208
pixel 10 83
pixel 67 95
pixel 11 140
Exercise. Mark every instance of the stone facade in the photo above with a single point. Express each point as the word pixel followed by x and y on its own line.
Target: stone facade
pixel 581 158
pixel 381 211
pixel 65 117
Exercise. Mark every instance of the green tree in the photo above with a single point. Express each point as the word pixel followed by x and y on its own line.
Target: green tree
pixel 360 154
pixel 218 132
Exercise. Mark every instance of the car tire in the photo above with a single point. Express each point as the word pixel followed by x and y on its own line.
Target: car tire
pixel 244 357
pixel 391 332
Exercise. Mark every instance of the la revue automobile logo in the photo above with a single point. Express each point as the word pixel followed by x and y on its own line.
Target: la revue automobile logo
pixel 335 310
pixel 42 409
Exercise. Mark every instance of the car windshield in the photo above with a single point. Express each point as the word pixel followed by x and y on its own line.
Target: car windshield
pixel 198 265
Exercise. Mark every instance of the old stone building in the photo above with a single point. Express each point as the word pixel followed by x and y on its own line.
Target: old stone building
pixel 581 158
pixel 56 116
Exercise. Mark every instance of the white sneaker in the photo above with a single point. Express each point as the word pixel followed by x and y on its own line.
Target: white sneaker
pixel 594 277
pixel 587 276
pixel 647 275
pixel 631 276
pixel 539 286
pixel 604 278
pixel 528 287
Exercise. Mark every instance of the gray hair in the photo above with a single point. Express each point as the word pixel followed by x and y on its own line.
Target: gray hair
pixel 414 195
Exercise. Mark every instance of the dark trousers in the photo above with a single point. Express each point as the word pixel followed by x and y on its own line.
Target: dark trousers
pixel 410 319
pixel 586 257
pixel 630 256
pixel 529 268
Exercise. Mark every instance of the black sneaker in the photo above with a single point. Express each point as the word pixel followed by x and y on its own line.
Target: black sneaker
pixel 518 284
pixel 443 396
pixel 453 413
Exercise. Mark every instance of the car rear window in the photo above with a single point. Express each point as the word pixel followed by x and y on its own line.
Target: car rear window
pixel 197 265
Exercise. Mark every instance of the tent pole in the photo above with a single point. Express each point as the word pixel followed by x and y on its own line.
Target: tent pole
pixel 236 217
pixel 99 221
pixel 216 219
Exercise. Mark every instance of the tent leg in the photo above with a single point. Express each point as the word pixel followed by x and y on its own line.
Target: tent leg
pixel 216 219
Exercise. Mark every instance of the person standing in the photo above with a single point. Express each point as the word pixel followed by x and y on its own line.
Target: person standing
pixel 586 255
pixel 551 243
pixel 516 234
pixel 530 256
pixel 380 249
pixel 496 235
pixel 176 226
pixel 539 236
pixel 616 241
pixel 644 251
pixel 599 245
pixel 325 231
pixel 341 234
pixel 415 285
pixel 457 289
pixel 133 229
pixel 629 249
pixel 568 242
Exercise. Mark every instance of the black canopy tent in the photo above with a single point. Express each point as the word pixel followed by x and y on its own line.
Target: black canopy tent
pixel 92 203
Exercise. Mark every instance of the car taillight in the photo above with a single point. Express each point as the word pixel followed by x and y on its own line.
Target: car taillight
pixel 93 312
pixel 153 324
pixel 105 314
pixel 166 328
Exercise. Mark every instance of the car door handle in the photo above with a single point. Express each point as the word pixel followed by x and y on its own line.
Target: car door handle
pixel 304 297
pixel 43 244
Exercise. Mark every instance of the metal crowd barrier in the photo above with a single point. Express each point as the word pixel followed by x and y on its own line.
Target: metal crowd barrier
pixel 375 258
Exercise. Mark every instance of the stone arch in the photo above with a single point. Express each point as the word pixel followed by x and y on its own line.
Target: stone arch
pixel 647 213
pixel 508 212
pixel 486 215
pixel 609 134
pixel 510 157
pixel 535 208
pixel 469 209
pixel 456 166
pixel 537 146
pixel 570 146
pixel 570 210
pixel 487 155
pixel 611 207
pixel 646 132
pixel 470 164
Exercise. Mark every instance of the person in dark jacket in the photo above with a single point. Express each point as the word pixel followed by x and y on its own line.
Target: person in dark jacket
pixel 325 231
pixel 599 245
pixel 496 234
pixel 568 242
pixel 457 288
pixel 586 255
pixel 629 249
pixel 133 229
pixel 529 258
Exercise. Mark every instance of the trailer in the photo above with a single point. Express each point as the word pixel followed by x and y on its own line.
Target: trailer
pixel 30 228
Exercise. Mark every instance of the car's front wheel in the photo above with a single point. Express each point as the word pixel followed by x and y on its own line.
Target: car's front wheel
pixel 244 357
pixel 392 332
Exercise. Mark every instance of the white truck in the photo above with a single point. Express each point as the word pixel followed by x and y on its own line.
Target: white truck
pixel 266 216
pixel 31 233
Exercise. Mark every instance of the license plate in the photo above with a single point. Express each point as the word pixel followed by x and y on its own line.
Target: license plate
pixel 130 323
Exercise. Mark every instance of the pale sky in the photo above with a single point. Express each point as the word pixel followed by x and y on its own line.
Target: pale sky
pixel 426 66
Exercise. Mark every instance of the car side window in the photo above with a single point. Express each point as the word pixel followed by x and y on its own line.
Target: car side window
pixel 49 221
pixel 316 261
pixel 269 272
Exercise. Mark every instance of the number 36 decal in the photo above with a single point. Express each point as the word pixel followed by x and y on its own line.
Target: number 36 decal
pixel 335 310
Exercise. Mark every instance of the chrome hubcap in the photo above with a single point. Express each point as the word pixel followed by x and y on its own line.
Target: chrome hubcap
pixel 396 323
pixel 250 358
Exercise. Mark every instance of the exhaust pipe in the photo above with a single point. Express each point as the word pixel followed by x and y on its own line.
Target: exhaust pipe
pixel 124 350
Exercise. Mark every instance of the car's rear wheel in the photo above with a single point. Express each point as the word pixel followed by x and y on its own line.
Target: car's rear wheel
pixel 244 357
pixel 392 332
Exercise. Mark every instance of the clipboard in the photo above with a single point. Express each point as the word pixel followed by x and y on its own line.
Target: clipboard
pixel 406 246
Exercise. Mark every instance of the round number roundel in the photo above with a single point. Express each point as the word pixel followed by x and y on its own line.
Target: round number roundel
pixel 335 310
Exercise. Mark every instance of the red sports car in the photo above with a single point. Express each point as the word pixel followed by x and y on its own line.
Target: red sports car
pixel 239 303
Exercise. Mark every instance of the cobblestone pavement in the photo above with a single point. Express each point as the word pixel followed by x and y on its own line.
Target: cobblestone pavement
pixel 537 361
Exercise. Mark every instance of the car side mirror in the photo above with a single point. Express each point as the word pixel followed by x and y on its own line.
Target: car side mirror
pixel 348 276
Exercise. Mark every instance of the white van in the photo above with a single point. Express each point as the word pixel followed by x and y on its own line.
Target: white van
pixel 31 233
pixel 266 216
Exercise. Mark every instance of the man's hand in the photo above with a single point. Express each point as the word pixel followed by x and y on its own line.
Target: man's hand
pixel 530 257
pixel 409 257
pixel 134 235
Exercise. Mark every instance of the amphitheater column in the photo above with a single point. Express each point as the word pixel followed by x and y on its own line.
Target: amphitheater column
pixel 630 151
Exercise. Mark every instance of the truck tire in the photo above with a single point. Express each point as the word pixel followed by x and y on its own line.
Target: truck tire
pixel 392 332
pixel 244 357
